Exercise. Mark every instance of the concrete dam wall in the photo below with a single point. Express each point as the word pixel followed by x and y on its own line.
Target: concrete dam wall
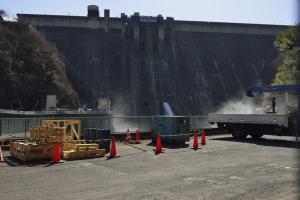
pixel 193 66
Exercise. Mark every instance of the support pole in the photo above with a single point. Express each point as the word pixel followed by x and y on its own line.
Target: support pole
pixel 139 124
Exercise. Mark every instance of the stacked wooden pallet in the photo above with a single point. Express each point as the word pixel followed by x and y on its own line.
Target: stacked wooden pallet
pixel 84 151
pixel 43 133
pixel 34 151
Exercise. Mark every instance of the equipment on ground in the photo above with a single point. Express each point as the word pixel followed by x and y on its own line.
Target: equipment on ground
pixel 98 134
pixel 256 125
pixel 171 125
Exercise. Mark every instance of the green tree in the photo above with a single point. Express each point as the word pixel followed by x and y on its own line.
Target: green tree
pixel 288 62
pixel 51 77
pixel 289 39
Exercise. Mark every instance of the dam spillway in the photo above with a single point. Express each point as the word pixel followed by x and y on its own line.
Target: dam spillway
pixel 193 66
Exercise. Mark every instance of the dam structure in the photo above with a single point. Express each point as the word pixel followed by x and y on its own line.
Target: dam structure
pixel 143 61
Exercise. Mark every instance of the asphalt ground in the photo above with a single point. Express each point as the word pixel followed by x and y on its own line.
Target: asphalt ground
pixel 266 168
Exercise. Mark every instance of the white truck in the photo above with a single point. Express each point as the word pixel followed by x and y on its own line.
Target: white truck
pixel 256 125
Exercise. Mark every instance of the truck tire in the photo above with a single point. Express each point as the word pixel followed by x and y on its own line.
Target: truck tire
pixel 256 136
pixel 238 132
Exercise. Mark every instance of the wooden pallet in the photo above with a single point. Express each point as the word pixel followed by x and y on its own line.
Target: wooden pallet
pixel 34 151
pixel 82 151
pixel 66 123
pixel 43 133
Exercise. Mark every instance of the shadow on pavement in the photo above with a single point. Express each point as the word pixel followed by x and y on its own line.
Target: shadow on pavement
pixel 169 146
pixel 263 141
pixel 14 162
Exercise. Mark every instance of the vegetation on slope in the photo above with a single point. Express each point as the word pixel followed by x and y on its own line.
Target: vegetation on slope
pixel 28 63
pixel 287 63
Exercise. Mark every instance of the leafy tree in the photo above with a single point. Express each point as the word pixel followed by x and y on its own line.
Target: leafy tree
pixel 287 64
pixel 289 39
pixel 51 77
pixel 289 68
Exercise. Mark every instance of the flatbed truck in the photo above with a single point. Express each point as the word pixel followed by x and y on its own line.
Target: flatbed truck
pixel 256 125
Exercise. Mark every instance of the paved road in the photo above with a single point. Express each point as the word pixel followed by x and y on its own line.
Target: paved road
pixel 222 169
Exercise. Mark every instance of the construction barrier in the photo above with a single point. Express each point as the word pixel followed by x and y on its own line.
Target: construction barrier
pixel 131 145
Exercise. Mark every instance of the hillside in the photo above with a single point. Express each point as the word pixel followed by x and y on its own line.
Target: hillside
pixel 29 65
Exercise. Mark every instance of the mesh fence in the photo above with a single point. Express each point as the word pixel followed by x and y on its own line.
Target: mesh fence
pixel 20 127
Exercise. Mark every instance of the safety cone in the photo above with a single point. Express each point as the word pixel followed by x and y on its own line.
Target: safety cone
pixel 128 138
pixel 1 157
pixel 203 142
pixel 56 157
pixel 137 138
pixel 158 149
pixel 113 152
pixel 195 146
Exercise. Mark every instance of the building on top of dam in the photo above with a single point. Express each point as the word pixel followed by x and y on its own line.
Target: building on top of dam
pixel 143 61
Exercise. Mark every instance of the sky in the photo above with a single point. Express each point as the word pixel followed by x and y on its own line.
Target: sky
pixel 280 12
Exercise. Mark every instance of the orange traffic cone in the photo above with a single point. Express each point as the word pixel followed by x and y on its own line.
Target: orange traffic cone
pixel 1 157
pixel 203 142
pixel 137 138
pixel 195 146
pixel 113 152
pixel 56 157
pixel 158 149
pixel 128 138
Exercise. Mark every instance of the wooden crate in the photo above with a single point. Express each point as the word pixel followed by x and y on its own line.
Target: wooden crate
pixel 31 151
pixel 52 131
pixel 66 123
pixel 13 151
pixel 81 151
pixel 43 133
pixel 34 151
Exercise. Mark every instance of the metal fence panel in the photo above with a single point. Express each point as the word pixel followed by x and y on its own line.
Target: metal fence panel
pixel 20 127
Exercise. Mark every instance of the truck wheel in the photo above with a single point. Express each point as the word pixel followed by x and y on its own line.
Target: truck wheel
pixel 238 132
pixel 256 136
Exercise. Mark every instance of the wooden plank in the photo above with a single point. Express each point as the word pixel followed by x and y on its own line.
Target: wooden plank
pixel 85 147
pixel 79 129
pixel 72 127
pixel 84 157
pixel 70 155
pixel 98 151
pixel 51 123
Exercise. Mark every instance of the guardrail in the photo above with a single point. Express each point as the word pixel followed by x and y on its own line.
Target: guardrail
pixel 53 112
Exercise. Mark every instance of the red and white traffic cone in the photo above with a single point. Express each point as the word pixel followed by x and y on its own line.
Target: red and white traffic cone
pixel 128 137
pixel 1 157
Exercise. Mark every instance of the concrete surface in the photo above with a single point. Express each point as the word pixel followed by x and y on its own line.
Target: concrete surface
pixel 222 169
pixel 194 66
